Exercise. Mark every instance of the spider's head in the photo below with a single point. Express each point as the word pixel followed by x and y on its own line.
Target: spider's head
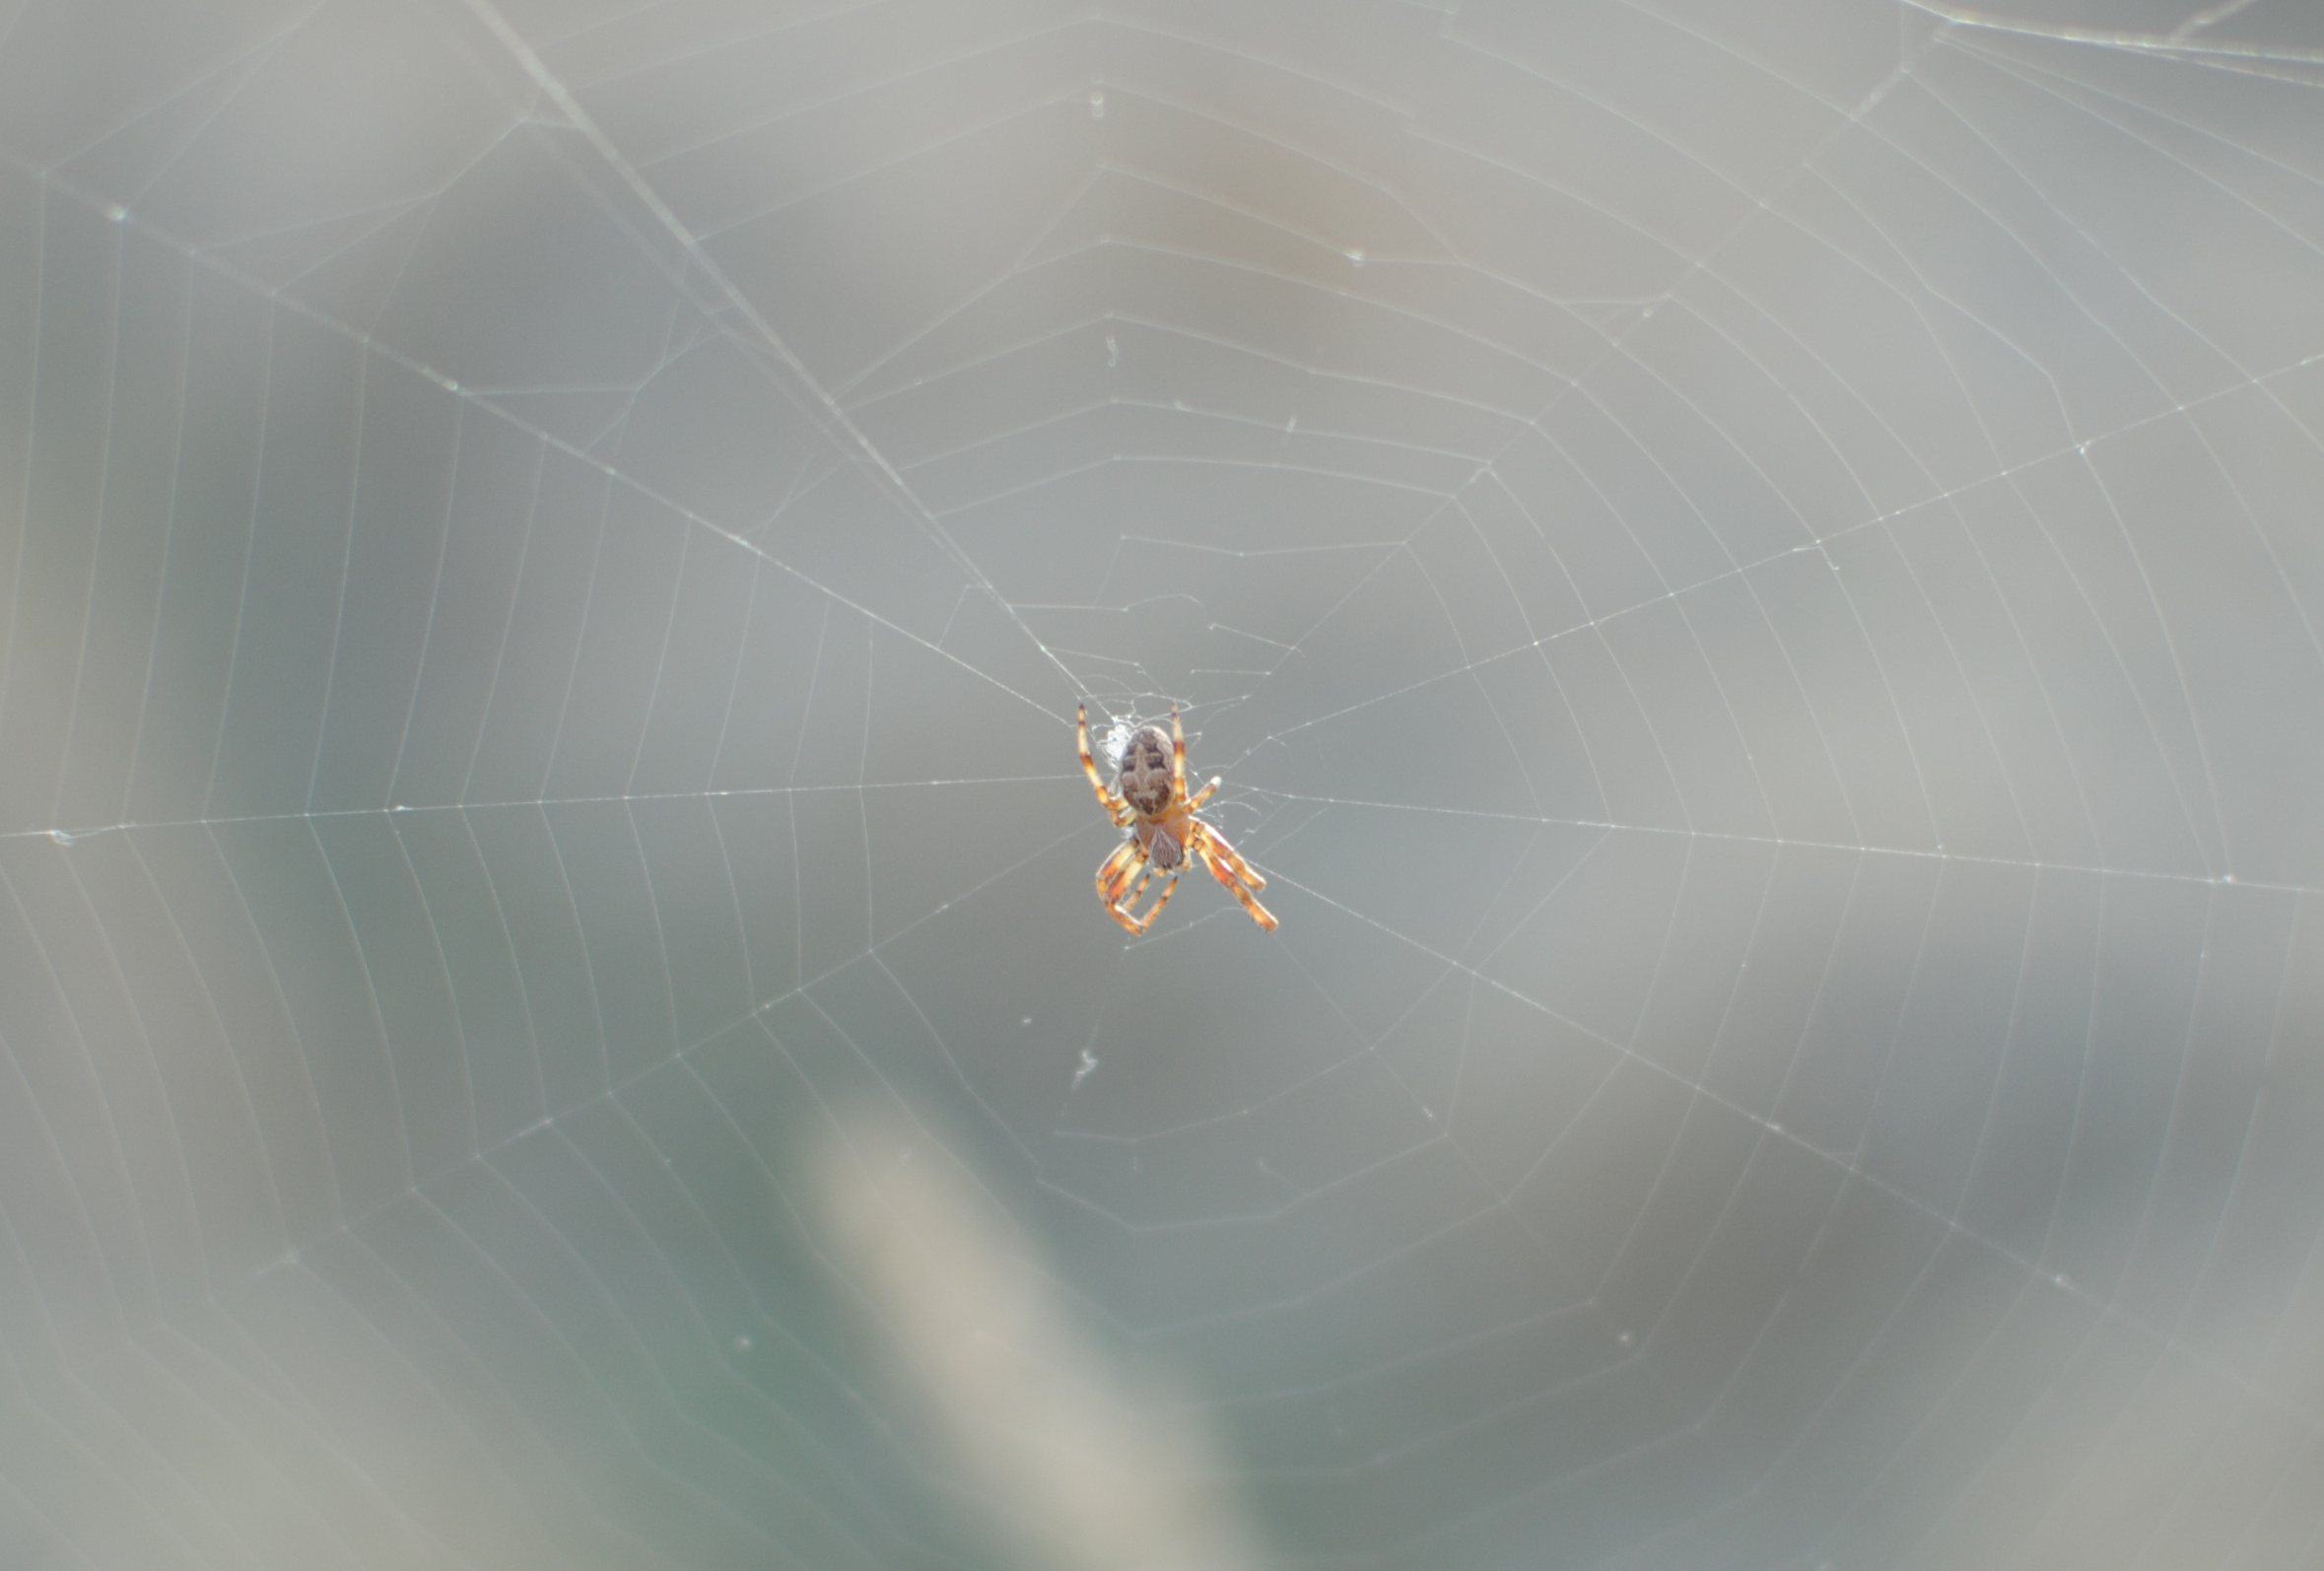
pixel 1145 774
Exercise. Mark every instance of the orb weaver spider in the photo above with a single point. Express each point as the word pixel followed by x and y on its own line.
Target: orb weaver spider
pixel 1149 800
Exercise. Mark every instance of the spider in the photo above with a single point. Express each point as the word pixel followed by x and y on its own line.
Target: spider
pixel 1150 801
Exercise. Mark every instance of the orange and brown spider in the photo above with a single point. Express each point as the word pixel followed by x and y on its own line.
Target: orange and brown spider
pixel 1149 800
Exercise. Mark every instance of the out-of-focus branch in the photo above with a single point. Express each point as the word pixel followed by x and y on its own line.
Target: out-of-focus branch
pixel 1081 1476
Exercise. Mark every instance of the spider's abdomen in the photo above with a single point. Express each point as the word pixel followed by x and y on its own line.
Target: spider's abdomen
pixel 1144 779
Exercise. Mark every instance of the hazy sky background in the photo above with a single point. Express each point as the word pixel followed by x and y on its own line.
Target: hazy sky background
pixel 1754 573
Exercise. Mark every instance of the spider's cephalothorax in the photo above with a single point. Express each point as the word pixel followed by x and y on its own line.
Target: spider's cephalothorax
pixel 1164 855
pixel 1149 800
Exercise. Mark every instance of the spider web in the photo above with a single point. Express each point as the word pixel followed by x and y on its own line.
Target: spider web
pixel 1752 572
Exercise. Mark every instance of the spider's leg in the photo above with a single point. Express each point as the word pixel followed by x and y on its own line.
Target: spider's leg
pixel 1258 912
pixel 1116 872
pixel 1113 804
pixel 1223 851
pixel 1231 871
pixel 1169 888
pixel 1224 863
pixel 1250 903
pixel 1127 904
pixel 1120 910
pixel 1178 756
pixel 1113 871
pixel 1204 794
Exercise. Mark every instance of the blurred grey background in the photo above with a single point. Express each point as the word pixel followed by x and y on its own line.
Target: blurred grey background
pixel 1754 575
